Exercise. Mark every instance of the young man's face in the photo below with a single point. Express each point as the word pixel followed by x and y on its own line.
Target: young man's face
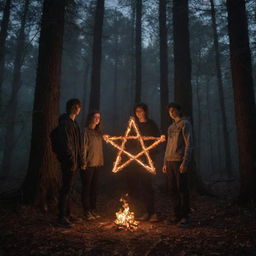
pixel 140 113
pixel 77 110
pixel 174 113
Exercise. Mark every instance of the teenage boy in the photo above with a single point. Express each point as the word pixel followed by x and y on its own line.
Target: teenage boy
pixel 176 161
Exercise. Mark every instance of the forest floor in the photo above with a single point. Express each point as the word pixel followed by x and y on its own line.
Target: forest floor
pixel 217 227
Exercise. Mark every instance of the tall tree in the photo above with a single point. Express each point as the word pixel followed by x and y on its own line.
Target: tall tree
pixel 3 36
pixel 226 141
pixel 182 61
pixel 245 111
pixel 42 177
pixel 11 110
pixel 138 65
pixel 163 64
pixel 94 103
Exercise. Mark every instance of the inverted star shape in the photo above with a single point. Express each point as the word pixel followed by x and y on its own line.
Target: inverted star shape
pixel 118 165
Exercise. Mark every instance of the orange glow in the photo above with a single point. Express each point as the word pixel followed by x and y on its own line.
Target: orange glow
pixel 145 150
pixel 125 218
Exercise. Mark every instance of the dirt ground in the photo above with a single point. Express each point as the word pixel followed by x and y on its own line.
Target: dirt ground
pixel 217 227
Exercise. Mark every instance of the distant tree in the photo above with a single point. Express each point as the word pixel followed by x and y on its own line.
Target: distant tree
pixel 11 110
pixel 223 114
pixel 42 178
pixel 164 92
pixel 245 110
pixel 94 103
pixel 182 61
pixel 3 36
pixel 138 65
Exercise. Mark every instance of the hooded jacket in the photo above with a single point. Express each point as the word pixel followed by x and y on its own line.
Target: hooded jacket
pixel 179 143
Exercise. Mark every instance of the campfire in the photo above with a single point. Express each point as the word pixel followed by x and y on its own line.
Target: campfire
pixel 124 217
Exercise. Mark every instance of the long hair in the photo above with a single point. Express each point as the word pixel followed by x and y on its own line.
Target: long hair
pixel 90 116
pixel 143 106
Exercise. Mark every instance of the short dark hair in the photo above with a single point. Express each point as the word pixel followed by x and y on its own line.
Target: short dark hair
pixel 174 105
pixel 141 105
pixel 71 104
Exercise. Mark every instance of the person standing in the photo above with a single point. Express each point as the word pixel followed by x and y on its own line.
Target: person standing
pixel 176 162
pixel 92 162
pixel 140 180
pixel 69 155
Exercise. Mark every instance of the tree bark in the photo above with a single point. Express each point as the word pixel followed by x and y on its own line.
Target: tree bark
pixel 11 110
pixel 96 57
pixel 164 92
pixel 42 180
pixel 182 61
pixel 3 36
pixel 138 70
pixel 245 112
pixel 226 141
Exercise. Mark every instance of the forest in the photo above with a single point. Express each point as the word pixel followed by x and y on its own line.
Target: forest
pixel 112 55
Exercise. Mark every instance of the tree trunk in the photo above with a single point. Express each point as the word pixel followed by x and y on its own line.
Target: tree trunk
pixel 132 59
pixel 115 75
pixel 138 77
pixel 226 142
pixel 96 57
pixel 42 180
pixel 3 36
pixel 163 65
pixel 245 112
pixel 211 162
pixel 11 110
pixel 199 118
pixel 85 91
pixel 182 61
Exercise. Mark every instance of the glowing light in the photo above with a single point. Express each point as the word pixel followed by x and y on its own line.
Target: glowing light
pixel 118 165
pixel 125 218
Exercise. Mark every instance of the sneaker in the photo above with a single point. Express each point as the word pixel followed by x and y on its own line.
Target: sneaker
pixel 144 217
pixel 153 218
pixel 184 222
pixel 95 214
pixel 64 223
pixel 88 216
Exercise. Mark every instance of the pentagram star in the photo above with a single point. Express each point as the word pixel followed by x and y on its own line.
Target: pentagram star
pixel 149 166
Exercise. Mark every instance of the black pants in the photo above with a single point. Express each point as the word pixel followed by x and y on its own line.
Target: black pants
pixel 179 192
pixel 89 178
pixel 68 178
pixel 139 183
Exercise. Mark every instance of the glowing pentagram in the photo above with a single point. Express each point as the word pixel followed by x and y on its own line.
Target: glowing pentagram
pixel 118 165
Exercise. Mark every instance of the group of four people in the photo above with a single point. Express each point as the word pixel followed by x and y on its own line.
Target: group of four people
pixel 84 152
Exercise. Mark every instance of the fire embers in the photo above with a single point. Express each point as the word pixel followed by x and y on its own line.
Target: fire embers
pixel 124 218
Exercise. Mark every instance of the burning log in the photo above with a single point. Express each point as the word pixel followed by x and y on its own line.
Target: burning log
pixel 124 217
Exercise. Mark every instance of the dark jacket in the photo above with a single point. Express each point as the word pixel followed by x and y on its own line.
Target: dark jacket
pixel 92 148
pixel 70 151
pixel 148 128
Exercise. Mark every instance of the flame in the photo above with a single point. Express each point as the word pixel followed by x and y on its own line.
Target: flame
pixel 124 217
pixel 145 150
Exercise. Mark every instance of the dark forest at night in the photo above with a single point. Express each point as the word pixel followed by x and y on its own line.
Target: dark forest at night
pixel 128 127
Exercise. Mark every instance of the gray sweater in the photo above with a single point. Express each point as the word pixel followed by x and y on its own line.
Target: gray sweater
pixel 92 148
pixel 179 143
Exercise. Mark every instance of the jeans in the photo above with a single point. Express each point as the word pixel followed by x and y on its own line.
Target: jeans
pixel 139 183
pixel 89 178
pixel 178 185
pixel 68 178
